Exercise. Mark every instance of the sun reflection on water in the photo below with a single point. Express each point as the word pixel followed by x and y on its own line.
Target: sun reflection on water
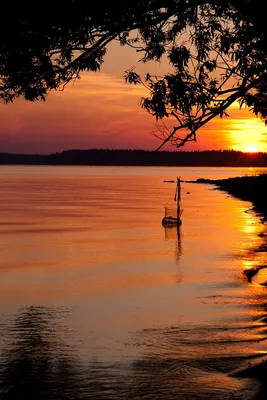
pixel 146 302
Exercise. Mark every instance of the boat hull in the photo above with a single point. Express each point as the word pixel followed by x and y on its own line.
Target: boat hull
pixel 171 221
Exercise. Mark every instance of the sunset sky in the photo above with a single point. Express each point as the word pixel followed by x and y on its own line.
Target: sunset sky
pixel 101 111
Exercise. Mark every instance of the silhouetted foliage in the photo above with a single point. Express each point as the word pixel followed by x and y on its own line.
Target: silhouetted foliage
pixel 216 50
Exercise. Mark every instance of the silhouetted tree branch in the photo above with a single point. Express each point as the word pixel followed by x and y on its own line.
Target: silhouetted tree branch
pixel 216 51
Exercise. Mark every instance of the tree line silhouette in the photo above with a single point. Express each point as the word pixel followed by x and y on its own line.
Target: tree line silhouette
pixel 209 158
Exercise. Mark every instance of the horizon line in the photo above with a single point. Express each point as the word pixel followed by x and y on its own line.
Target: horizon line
pixel 136 150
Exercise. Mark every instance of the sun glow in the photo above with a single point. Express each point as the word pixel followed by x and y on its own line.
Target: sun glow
pixel 251 148
pixel 248 135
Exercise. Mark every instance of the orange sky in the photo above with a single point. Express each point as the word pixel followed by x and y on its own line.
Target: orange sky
pixel 101 111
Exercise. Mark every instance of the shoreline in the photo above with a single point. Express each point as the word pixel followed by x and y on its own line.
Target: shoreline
pixel 254 190
pixel 247 188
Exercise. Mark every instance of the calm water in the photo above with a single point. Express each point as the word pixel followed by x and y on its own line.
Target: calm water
pixel 99 301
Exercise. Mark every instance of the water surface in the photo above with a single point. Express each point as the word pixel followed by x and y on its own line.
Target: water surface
pixel 99 301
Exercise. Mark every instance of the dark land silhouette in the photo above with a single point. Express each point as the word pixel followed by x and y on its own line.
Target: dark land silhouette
pixel 209 158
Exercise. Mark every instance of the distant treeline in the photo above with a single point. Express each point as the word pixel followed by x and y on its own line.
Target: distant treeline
pixel 209 158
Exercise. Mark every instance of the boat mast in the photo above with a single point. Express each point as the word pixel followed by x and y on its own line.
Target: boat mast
pixel 178 199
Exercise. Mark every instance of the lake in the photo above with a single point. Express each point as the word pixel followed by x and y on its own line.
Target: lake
pixel 100 301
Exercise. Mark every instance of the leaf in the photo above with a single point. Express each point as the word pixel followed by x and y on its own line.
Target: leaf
pixel 132 77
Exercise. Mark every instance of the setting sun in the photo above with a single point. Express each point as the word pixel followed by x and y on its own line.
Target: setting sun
pixel 248 134
pixel 251 148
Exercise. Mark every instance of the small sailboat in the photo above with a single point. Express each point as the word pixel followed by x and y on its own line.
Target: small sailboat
pixel 172 214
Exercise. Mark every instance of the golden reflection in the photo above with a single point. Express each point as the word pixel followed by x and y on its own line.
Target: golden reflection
pixel 95 243
pixel 254 269
pixel 249 223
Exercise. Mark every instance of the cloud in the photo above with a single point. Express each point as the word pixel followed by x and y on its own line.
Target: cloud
pixel 101 110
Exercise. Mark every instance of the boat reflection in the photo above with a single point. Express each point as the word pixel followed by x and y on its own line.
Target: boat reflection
pixel 173 233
